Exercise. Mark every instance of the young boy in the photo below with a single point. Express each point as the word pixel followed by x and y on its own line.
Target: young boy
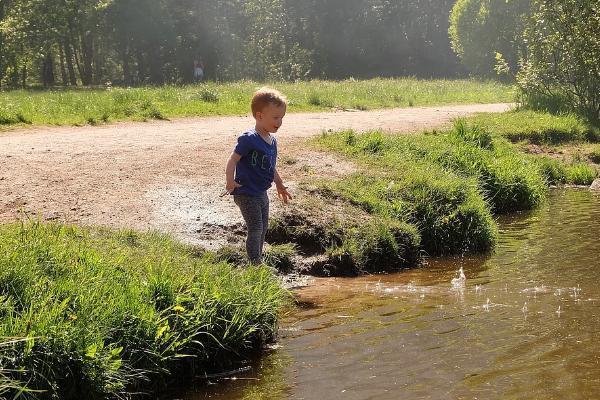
pixel 254 162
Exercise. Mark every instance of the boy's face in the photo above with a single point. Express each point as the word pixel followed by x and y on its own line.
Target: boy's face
pixel 270 118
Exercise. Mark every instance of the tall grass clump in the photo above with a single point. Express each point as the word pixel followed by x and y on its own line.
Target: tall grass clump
pixel 581 174
pixel 447 211
pixel 559 173
pixel 104 314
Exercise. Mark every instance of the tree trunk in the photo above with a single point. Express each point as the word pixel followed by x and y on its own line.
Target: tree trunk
pixel 127 78
pixel 63 71
pixel 48 70
pixel 24 77
pixel 70 67
pixel 78 65
pixel 98 62
pixel 86 58
pixel 2 52
pixel 141 66
pixel 154 62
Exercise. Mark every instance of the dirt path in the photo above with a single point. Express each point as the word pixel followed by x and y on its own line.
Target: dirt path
pixel 167 175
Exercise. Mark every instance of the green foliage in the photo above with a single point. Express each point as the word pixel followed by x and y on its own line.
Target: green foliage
pixel 99 314
pixel 482 31
pixel 561 70
pixel 136 42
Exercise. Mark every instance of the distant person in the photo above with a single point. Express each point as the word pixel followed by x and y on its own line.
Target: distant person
pixel 251 169
pixel 198 70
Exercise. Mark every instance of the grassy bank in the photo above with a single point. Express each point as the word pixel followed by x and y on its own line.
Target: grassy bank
pixel 558 139
pixel 94 106
pixel 432 194
pixel 88 313
pixel 538 127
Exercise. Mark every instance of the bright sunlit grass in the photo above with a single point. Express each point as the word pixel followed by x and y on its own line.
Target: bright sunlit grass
pixel 92 313
pixel 538 127
pixel 95 106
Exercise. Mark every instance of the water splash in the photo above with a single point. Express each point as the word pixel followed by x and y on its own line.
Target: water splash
pixel 460 280
pixel 486 306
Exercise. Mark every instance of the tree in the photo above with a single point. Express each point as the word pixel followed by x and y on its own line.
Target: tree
pixel 481 28
pixel 563 61
pixel 4 54
pixel 156 41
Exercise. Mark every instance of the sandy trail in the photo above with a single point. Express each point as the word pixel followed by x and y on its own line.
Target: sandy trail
pixel 167 175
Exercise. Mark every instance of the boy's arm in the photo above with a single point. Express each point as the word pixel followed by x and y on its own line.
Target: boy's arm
pixel 230 183
pixel 281 188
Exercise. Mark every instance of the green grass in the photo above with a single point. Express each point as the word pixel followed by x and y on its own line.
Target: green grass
pixel 594 154
pixel 538 127
pixel 97 314
pixel 93 106
pixel 446 185
pixel 560 173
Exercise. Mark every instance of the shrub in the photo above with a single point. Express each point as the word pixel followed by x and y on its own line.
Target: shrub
pixel 448 212
pixel 480 29
pixel 562 58
pixel 473 134
pixel 445 184
pixel 209 96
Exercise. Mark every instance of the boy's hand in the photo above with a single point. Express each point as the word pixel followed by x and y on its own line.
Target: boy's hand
pixel 231 186
pixel 283 193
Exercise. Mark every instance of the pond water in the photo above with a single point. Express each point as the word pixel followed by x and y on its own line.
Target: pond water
pixel 524 324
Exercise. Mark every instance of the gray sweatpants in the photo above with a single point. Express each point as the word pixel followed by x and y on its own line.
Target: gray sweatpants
pixel 255 211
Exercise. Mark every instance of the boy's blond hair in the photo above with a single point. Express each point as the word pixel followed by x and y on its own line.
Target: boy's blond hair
pixel 264 96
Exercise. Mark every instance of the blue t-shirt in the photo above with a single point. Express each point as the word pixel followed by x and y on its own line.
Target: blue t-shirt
pixel 256 169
